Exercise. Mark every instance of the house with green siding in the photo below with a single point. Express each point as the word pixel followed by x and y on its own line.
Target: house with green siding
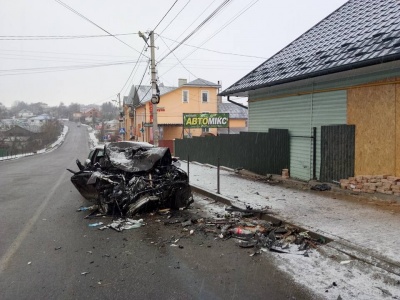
pixel 336 89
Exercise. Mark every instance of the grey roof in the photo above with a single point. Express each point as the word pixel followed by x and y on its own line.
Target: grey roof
pixel 143 93
pixel 201 82
pixel 358 34
pixel 235 111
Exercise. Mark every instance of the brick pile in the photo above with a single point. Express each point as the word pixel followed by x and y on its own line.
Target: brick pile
pixel 384 184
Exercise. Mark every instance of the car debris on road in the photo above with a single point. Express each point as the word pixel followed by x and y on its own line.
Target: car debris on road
pixel 130 177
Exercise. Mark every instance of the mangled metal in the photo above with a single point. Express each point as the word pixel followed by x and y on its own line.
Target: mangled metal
pixel 130 177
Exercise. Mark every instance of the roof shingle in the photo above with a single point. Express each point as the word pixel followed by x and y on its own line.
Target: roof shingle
pixel 359 33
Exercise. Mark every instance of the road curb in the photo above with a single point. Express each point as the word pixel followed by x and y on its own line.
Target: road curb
pixel 356 252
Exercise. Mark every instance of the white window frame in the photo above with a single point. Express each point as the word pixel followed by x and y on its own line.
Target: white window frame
pixel 208 96
pixel 183 96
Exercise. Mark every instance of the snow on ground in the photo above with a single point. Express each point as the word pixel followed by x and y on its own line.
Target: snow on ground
pixel 322 272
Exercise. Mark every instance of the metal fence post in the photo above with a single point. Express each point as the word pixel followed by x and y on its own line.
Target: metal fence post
pixel 188 169
pixel 218 176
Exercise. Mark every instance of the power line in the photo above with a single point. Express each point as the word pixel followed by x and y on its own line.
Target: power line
pixel 85 18
pixel 55 37
pixel 68 53
pixel 58 68
pixel 134 67
pixel 223 27
pixel 215 51
pixel 205 21
pixel 165 15
pixel 175 17
pixel 194 21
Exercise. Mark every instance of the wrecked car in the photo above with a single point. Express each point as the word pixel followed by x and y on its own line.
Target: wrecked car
pixel 131 177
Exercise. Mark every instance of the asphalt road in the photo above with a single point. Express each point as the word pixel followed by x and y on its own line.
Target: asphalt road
pixel 46 246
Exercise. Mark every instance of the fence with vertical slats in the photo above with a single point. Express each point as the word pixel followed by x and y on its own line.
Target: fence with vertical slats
pixel 259 152
pixel 337 152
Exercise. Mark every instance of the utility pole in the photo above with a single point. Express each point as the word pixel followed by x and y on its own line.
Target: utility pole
pixel 155 97
pixel 120 116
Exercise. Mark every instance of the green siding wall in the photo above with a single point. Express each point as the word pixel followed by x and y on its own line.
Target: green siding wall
pixel 299 114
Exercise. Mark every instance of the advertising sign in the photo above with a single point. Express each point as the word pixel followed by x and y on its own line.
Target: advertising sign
pixel 206 120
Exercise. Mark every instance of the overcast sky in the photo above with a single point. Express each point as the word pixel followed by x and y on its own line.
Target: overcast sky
pixel 93 66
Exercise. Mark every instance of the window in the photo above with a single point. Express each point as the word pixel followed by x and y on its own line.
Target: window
pixel 185 96
pixel 204 96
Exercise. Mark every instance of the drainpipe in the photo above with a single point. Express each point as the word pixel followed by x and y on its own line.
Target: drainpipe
pixel 238 104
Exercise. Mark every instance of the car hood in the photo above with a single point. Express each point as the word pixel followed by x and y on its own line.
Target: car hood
pixel 137 157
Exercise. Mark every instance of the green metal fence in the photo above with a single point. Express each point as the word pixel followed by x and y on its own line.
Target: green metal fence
pixel 259 152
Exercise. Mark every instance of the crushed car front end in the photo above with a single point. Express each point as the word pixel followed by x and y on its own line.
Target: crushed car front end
pixel 132 177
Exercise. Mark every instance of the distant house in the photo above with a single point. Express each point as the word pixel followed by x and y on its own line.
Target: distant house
pixel 238 116
pixel 77 116
pixel 18 138
pixel 197 96
pixel 24 113
pixel 336 89
pixel 91 113
pixel 39 120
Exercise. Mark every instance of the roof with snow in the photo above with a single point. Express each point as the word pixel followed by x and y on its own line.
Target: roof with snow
pixel 358 34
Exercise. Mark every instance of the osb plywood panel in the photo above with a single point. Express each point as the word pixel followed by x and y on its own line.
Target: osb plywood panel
pixel 372 110
pixel 397 149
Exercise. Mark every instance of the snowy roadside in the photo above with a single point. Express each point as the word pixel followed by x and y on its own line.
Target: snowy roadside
pixel 328 272
pixel 48 149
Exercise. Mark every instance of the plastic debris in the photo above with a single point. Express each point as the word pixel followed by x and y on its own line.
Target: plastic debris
pixel 85 208
pixel 29 262
pixel 96 224
pixel 57 248
pixel 85 273
pixel 345 262
pixel 126 224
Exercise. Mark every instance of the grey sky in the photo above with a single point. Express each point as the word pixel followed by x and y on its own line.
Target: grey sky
pixel 73 70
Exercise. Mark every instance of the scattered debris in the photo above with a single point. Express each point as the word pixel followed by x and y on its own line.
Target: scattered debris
pixel 95 224
pixel 85 208
pixel 321 187
pixel 126 224
pixel 57 248
pixel 85 273
pixel 345 262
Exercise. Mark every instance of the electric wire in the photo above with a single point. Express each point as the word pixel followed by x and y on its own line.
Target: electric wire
pixel 85 18
pixel 221 28
pixel 11 72
pixel 194 21
pixel 174 17
pixel 134 67
pixel 55 37
pixel 165 15
pixel 205 21
pixel 216 51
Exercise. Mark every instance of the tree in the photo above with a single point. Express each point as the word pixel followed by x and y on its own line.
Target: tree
pixel 62 111
pixel 108 111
